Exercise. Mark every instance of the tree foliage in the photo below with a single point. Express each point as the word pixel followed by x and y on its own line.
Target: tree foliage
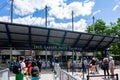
pixel 100 27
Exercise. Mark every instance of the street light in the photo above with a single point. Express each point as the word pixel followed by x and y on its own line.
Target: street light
pixel 93 24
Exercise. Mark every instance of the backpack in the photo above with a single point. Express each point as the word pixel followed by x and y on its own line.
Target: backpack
pixel 105 65
pixel 39 63
pixel 17 68
pixel 35 71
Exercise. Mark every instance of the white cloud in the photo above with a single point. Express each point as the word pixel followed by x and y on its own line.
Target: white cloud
pixel 78 8
pixel 57 9
pixel 96 12
pixel 5 18
pixel 26 7
pixel 79 26
pixel 115 7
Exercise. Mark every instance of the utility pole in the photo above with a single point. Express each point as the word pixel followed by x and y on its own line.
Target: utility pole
pixel 11 17
pixel 93 25
pixel 45 16
pixel 72 21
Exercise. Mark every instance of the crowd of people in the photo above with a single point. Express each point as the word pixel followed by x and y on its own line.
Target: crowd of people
pixel 107 65
pixel 94 65
pixel 30 68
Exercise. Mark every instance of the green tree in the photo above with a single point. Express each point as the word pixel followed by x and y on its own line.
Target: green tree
pixel 113 29
pixel 99 27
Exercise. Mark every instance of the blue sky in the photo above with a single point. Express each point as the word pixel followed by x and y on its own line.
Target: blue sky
pixel 32 12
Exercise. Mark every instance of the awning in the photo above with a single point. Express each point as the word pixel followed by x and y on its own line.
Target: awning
pixel 21 37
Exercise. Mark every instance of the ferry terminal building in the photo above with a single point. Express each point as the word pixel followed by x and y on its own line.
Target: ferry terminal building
pixel 45 43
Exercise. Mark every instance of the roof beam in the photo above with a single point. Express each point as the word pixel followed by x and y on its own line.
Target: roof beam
pixel 88 42
pixel 77 40
pixel 99 43
pixel 109 43
pixel 63 39
pixel 8 35
pixel 29 32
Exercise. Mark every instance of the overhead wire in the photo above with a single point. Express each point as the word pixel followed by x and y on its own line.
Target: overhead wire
pixel 33 21
pixel 36 18
pixel 4 4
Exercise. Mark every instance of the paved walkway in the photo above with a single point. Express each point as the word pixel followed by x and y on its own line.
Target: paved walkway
pixel 49 75
pixel 46 74
pixel 79 75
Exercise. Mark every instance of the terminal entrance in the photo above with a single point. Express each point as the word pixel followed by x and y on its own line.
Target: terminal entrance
pixel 46 43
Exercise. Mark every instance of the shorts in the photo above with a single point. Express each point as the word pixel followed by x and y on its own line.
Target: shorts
pixel 35 78
pixel 19 76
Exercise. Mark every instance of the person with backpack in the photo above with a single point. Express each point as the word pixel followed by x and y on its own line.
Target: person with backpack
pixel 18 69
pixel 35 74
pixel 105 65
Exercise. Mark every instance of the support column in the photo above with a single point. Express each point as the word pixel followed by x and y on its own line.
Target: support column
pixel 0 57
pixel 72 61
pixel 10 54
pixel 83 65
pixel 46 58
pixel 94 53
pixel 105 53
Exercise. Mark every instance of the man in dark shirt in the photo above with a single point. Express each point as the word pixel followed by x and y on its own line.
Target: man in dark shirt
pixel 93 62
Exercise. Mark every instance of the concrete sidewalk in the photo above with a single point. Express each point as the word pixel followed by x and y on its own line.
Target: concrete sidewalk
pixel 79 75
pixel 47 74
pixel 43 77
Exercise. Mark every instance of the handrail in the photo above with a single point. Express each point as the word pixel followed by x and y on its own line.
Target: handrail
pixel 102 75
pixel 62 74
pixel 74 78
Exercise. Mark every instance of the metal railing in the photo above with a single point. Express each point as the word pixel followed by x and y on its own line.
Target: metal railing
pixel 109 76
pixel 62 74
pixel 115 76
pixel 4 74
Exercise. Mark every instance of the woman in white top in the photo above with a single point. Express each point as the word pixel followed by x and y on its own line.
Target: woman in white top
pixel 111 65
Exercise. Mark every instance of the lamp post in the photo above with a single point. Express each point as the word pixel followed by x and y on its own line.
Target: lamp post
pixel 46 16
pixel 72 21
pixel 11 15
pixel 93 24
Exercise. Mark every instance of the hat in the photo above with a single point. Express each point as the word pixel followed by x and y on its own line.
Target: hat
pixel 110 57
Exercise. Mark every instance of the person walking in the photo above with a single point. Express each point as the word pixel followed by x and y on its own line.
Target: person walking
pixel 105 65
pixel 39 64
pixel 68 65
pixel 29 67
pixel 20 75
pixel 53 63
pixel 111 66
pixel 85 65
pixel 97 65
pixel 35 74
pixel 93 62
